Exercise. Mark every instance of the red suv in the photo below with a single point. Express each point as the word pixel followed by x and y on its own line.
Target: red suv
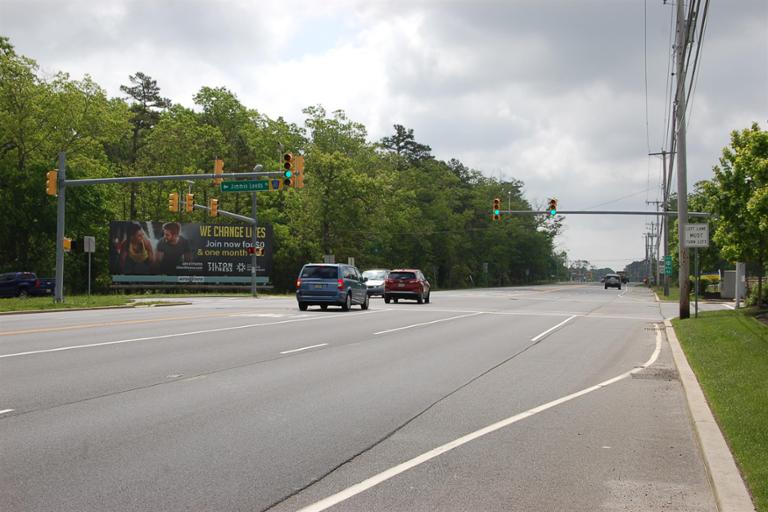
pixel 406 283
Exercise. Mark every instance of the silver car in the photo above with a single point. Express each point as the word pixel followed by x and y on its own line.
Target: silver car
pixel 375 282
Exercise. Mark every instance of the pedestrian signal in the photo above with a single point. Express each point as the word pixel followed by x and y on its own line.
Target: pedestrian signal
pixel 50 182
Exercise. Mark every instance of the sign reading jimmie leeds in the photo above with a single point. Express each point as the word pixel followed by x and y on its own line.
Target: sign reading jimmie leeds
pixel 181 252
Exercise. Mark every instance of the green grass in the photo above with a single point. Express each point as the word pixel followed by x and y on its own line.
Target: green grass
pixel 674 293
pixel 70 302
pixel 728 351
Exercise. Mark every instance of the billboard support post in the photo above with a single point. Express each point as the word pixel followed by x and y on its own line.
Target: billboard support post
pixel 254 240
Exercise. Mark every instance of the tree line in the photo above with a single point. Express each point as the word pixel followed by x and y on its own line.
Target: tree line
pixel 387 203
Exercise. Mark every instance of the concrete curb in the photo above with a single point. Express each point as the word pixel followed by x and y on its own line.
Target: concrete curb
pixel 730 491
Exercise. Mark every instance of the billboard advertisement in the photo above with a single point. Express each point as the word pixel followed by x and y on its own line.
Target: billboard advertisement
pixel 186 252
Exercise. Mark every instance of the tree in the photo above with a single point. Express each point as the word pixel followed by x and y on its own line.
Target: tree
pixel 146 106
pixel 739 195
pixel 404 145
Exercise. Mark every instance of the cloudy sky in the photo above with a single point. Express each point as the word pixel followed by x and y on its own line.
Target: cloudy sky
pixel 568 96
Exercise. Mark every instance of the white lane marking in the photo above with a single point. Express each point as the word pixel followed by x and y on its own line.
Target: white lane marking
pixel 729 306
pixel 6 410
pixel 303 348
pixel 537 338
pixel 179 334
pixel 420 459
pixel 429 323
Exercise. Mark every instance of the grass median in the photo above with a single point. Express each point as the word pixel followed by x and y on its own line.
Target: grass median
pixel 728 351
pixel 70 302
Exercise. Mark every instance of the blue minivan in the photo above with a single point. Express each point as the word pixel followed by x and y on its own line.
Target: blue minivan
pixel 335 284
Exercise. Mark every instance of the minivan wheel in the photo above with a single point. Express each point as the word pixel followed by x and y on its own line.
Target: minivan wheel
pixel 386 300
pixel 365 303
pixel 303 306
pixel 347 303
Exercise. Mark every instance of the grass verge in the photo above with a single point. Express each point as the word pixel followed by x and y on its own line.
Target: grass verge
pixel 728 351
pixel 674 294
pixel 70 302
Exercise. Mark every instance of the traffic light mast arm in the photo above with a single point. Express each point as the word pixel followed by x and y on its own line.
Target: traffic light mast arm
pixel 225 213
pixel 603 212
pixel 257 172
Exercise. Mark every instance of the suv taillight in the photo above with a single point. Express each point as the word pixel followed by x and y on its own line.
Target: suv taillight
pixel 298 284
pixel 340 286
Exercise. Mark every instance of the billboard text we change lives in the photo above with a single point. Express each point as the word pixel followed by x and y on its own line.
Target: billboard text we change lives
pixel 188 252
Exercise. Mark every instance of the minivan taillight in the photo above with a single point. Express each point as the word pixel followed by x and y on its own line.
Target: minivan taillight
pixel 341 284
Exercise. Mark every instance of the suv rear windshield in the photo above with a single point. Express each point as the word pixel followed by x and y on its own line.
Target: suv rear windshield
pixel 320 272
pixel 402 275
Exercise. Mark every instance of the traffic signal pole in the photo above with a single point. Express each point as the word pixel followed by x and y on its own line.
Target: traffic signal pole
pixel 58 293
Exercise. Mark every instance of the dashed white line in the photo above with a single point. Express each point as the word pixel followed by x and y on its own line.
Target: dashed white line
pixel 538 337
pixel 3 411
pixel 416 461
pixel 304 348
pixel 428 323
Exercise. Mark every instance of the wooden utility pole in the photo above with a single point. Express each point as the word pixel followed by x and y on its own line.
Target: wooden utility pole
pixel 682 179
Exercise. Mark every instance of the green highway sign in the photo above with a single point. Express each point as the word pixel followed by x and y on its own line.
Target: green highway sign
pixel 667 265
pixel 244 186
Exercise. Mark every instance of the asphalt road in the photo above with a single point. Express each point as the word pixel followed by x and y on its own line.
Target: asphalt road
pixel 540 398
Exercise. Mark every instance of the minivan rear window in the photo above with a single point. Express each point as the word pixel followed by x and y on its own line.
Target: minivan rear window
pixel 402 275
pixel 320 272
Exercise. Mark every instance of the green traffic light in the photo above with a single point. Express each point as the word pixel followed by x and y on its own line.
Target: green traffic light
pixel 553 212
pixel 496 212
pixel 287 174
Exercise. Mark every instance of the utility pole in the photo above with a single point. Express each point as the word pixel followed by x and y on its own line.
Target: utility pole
pixel 682 168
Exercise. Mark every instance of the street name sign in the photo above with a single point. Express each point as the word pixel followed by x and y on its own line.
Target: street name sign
pixel 696 235
pixel 244 186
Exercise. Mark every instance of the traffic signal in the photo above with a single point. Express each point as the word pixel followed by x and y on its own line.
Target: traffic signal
pixel 218 170
pixel 553 207
pixel 288 170
pixel 496 209
pixel 67 243
pixel 299 168
pixel 50 182
pixel 173 202
pixel 189 204
pixel 213 206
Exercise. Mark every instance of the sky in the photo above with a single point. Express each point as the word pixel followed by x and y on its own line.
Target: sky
pixel 567 96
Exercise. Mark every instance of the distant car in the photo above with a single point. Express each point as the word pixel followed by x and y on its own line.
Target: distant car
pixel 331 284
pixel 408 283
pixel 375 281
pixel 612 281
pixel 24 284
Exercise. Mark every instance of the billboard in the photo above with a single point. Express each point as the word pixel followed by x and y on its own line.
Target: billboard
pixel 186 252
